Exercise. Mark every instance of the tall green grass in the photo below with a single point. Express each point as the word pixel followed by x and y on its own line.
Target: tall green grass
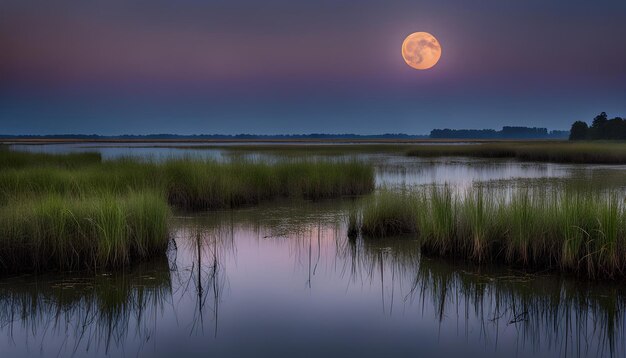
pixel 68 212
pixel 560 152
pixel 58 233
pixel 197 184
pixel 194 184
pixel 388 215
pixel 579 232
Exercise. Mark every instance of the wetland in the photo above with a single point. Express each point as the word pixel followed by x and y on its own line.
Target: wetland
pixel 247 273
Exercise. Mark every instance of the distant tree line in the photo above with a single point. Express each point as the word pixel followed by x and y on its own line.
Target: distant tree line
pixel 601 128
pixel 505 133
pixel 218 136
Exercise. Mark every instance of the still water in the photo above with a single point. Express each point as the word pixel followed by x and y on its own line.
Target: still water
pixel 283 279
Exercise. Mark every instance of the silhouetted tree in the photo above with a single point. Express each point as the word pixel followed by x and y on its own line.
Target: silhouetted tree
pixel 601 128
pixel 599 120
pixel 597 130
pixel 579 131
pixel 614 128
pixel 506 132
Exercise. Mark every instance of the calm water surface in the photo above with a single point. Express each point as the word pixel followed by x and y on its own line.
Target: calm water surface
pixel 283 279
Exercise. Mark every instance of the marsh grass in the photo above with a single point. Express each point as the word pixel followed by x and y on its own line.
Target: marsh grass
pixel 354 224
pixel 60 233
pixel 388 215
pixel 210 185
pixel 560 152
pixel 17 159
pixel 66 212
pixel 194 184
pixel 579 232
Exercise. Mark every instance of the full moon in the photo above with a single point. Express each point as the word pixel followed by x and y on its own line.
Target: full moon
pixel 421 50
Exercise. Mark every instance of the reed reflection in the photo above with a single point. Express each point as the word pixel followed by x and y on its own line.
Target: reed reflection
pixel 201 272
pixel 541 312
pixel 313 269
pixel 73 314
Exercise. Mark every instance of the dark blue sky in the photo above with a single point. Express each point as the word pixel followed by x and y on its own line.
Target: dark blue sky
pixel 285 66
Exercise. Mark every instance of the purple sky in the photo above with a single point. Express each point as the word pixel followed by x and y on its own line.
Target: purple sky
pixel 279 66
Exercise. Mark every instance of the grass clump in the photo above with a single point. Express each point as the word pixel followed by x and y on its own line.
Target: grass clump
pixel 389 214
pixel 559 152
pixel 58 233
pixel 579 232
pixel 201 185
pixel 193 184
pixel 69 212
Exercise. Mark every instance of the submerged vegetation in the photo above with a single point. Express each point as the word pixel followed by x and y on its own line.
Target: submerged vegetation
pixel 580 232
pixel 67 212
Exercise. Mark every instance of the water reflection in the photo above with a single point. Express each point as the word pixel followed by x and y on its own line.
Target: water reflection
pixel 463 173
pixel 202 276
pixel 284 279
pixel 111 151
pixel 543 313
pixel 76 313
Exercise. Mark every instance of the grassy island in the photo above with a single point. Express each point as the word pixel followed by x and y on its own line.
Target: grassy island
pixel 77 211
pixel 583 233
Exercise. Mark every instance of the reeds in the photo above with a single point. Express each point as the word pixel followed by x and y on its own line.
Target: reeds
pixel 202 185
pixel 197 184
pixel 388 215
pixel 58 233
pixel 68 212
pixel 579 232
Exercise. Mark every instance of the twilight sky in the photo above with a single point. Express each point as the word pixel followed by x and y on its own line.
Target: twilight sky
pixel 289 66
